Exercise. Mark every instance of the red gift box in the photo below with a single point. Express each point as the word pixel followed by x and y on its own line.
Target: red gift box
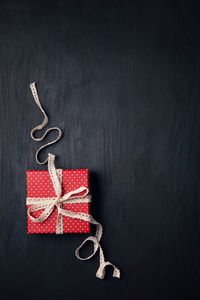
pixel 39 185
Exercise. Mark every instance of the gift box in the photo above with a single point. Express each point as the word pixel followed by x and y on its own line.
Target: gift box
pixel 40 188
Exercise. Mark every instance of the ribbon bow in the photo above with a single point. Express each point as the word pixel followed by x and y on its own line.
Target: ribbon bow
pixel 50 203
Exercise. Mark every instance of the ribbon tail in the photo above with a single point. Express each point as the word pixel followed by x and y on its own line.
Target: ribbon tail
pixel 95 239
pixel 59 224
pixel 101 270
pixel 54 176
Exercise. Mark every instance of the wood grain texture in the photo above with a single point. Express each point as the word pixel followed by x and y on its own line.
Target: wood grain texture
pixel 121 78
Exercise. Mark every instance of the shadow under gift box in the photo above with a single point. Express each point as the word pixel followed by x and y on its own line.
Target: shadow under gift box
pixel 39 185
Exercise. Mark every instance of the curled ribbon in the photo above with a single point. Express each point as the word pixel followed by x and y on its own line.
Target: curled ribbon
pixel 49 204
pixel 41 126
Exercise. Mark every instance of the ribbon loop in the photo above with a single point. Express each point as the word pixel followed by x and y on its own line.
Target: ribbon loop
pixel 96 246
pixel 101 270
pixel 44 215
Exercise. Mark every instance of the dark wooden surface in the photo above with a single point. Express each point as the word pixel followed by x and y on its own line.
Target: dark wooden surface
pixel 121 78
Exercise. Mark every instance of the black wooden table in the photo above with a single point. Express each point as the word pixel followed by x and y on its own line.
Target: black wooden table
pixel 121 79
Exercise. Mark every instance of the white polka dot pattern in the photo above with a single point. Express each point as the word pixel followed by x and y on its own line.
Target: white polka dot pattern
pixel 39 185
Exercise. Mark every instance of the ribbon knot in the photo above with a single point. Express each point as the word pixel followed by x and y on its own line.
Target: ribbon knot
pixel 48 205
pixel 57 201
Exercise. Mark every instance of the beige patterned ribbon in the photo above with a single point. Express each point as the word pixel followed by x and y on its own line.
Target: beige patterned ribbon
pixel 42 125
pixel 50 203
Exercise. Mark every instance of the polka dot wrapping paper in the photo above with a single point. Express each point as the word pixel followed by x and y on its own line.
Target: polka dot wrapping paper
pixel 39 185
